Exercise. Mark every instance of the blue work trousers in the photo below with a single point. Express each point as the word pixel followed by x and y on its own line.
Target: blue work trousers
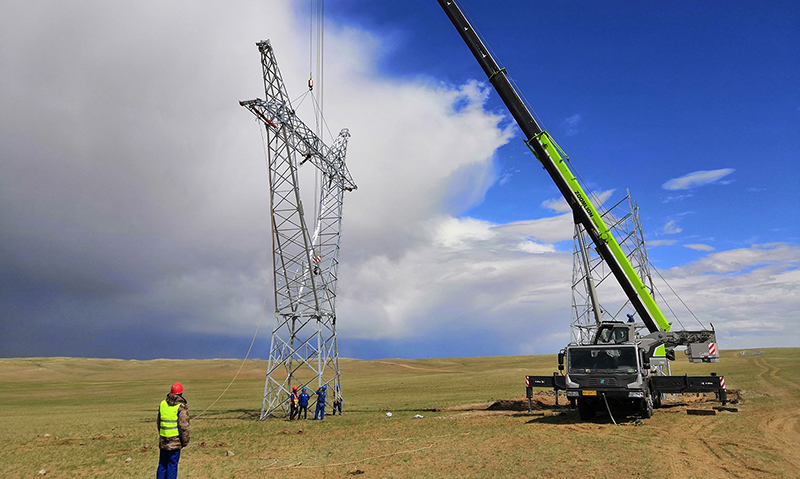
pixel 320 412
pixel 168 464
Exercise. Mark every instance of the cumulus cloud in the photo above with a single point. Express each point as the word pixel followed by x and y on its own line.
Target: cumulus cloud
pixel 697 178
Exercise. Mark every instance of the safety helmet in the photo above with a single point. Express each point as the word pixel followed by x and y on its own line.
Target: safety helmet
pixel 177 388
pixel 304 389
pixel 324 387
pixel 294 388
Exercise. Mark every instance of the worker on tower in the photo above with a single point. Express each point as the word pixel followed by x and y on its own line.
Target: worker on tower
pixel 293 404
pixel 303 400
pixel 320 411
pixel 173 430
pixel 337 401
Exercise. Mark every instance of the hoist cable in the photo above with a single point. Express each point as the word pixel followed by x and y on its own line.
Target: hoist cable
pixel 676 295
pixel 318 21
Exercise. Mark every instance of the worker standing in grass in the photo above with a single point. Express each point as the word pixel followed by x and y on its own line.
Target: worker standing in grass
pixel 320 412
pixel 293 404
pixel 303 401
pixel 337 401
pixel 173 430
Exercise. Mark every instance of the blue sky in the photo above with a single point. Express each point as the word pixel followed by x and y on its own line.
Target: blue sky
pixel 637 94
pixel 132 185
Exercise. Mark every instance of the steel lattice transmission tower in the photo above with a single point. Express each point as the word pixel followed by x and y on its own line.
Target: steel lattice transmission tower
pixel 303 349
pixel 590 272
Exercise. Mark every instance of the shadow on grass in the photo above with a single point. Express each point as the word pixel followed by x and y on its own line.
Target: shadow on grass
pixel 569 417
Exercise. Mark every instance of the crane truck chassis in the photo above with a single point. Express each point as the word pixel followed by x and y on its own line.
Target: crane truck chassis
pixel 615 373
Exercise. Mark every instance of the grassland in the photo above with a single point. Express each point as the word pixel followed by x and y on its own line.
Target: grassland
pixel 87 417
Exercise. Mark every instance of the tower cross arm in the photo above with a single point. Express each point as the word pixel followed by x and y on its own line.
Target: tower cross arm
pixel 330 160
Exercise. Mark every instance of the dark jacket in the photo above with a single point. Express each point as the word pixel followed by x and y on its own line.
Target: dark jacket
pixel 182 439
pixel 304 399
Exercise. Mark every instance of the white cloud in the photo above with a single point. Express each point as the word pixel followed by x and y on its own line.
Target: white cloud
pixel 672 228
pixel 697 178
pixel 699 247
pixel 559 205
pixel 654 243
pixel 548 230
pixel 535 248
pixel 454 233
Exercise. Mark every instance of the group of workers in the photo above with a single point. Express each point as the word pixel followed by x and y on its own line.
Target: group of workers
pixel 173 423
pixel 298 403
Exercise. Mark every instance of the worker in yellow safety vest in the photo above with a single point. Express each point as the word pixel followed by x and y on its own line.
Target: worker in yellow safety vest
pixel 294 408
pixel 173 430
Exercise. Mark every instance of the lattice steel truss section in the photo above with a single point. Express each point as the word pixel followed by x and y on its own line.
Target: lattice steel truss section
pixel 590 273
pixel 303 349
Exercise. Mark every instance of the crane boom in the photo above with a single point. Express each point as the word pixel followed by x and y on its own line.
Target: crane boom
pixel 549 154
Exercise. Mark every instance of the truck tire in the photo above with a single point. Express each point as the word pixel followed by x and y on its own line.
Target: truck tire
pixel 647 407
pixel 585 409
pixel 657 399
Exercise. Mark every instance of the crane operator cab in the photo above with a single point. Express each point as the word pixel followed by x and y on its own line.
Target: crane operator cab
pixel 615 332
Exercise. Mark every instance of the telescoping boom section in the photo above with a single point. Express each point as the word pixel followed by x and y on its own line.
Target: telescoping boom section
pixel 552 158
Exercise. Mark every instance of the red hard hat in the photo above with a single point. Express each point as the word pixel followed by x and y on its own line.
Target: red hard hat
pixel 294 388
pixel 177 388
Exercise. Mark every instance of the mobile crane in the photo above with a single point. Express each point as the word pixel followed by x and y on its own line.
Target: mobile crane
pixel 618 367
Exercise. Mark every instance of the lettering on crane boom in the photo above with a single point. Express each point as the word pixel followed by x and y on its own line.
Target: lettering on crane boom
pixel 584 202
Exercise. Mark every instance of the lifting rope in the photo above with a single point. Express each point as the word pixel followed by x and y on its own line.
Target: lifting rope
pixel 317 26
pixel 246 356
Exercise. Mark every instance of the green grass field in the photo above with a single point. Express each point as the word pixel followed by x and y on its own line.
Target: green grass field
pixel 87 417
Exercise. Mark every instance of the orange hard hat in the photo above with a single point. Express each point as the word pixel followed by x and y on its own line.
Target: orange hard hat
pixel 177 388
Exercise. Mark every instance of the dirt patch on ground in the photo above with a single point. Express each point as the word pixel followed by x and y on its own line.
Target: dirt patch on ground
pixel 547 400
pixel 679 403
pixel 540 400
